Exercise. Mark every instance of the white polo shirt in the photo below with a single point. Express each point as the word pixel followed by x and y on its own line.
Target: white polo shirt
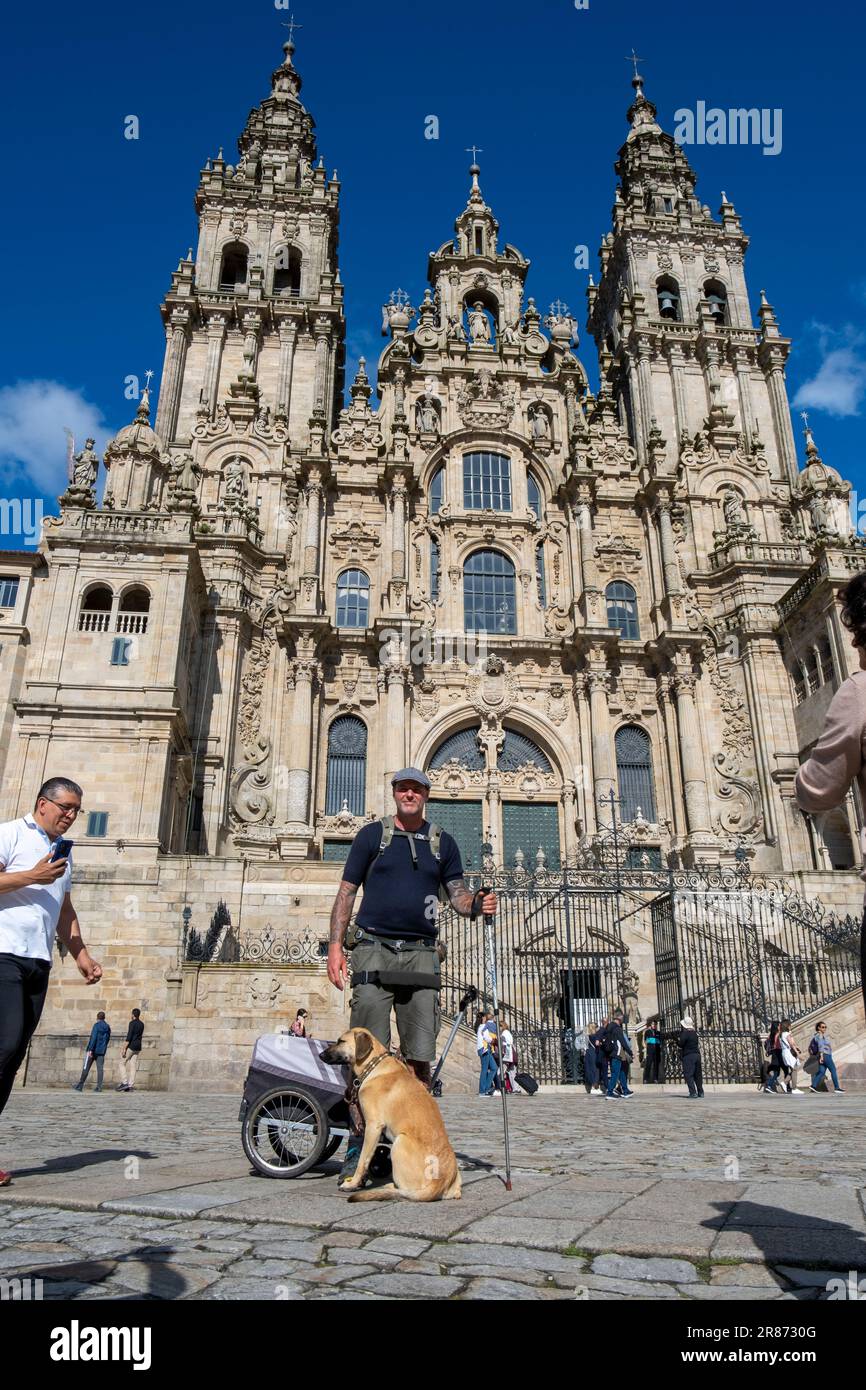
pixel 29 916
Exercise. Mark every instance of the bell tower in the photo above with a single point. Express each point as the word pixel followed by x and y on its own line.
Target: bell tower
pixel 671 316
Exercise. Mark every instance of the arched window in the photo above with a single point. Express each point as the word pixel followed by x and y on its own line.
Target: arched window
pixel 95 612
pixel 517 751
pixel 717 297
pixel 353 599
pixel 798 676
pixel 347 766
pixel 533 494
pixel 132 611
pixel 287 272
pixel 540 581
pixel 233 268
pixel 487 482
pixel 634 770
pixel 669 298
pixel 622 609
pixel 489 593
pixel 463 746
pixel 812 681
pixel 825 655
pixel 435 565
pixel 437 491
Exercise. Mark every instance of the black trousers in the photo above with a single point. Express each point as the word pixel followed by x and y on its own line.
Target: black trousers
pixel 693 1073
pixel 651 1065
pixel 23 987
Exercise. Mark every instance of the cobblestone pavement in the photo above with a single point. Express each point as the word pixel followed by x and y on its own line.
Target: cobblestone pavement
pixel 149 1195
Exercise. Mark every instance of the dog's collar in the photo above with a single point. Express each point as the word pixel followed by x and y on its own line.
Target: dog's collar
pixel 359 1080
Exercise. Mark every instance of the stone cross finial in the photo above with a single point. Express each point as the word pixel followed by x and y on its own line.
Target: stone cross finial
pixel 148 374
pixel 633 58
pixel 558 309
pixel 475 151
pixel 292 25
pixel 805 418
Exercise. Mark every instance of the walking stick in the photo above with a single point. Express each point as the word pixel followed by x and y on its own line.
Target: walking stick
pixel 469 997
pixel 490 951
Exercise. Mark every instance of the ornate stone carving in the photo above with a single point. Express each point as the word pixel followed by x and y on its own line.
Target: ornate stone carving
pixel 617 553
pixel 355 541
pixel 484 400
pixel 427 698
pixel 493 690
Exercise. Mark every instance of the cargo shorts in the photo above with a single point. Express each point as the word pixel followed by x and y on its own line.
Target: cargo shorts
pixel 417 1009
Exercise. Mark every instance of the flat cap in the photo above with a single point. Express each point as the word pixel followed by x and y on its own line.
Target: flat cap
pixel 411 774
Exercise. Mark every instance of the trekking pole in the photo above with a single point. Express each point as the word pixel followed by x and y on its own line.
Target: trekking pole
pixel 469 998
pixel 490 951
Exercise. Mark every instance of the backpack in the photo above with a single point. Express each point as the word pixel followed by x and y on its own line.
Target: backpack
pixel 434 839
pixel 609 1044
pixel 814 1048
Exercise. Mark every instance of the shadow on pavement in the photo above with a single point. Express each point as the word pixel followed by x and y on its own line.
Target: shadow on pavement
pixel 71 1163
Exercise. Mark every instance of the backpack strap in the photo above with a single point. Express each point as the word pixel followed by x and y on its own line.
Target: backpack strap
pixel 387 824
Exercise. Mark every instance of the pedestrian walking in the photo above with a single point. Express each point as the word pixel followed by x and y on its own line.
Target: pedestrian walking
pixel 97 1046
pixel 690 1050
pixel 822 1048
pixel 837 759
pixel 602 1065
pixel 618 1052
pixel 790 1056
pixel 590 1063
pixel 131 1054
pixel 403 862
pixel 35 906
pixel 653 1045
pixel 484 1048
pixel 299 1027
pixel 507 1055
pixel 773 1050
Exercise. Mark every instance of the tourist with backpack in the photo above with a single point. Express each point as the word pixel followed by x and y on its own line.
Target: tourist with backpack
pixel 602 1065
pixel 617 1051
pixel 790 1056
pixel 773 1068
pixel 690 1049
pixel 403 863
pixel 822 1048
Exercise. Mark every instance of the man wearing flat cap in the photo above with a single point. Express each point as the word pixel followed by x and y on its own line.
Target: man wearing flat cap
pixel 402 862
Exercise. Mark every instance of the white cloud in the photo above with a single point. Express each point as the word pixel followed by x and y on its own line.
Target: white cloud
pixel 838 386
pixel 34 416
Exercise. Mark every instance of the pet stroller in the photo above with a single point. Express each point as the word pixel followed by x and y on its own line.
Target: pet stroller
pixel 293 1114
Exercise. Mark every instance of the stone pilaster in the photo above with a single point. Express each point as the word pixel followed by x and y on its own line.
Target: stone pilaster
pixel 172 377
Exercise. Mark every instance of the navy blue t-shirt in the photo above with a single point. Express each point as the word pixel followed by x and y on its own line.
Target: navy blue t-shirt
pixel 400 900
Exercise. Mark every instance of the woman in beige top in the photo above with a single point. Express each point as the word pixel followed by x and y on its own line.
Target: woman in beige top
pixel 839 756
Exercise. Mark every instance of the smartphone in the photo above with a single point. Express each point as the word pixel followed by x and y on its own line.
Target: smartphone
pixel 61 850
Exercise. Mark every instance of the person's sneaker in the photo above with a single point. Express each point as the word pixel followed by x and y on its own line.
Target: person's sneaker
pixel 596 1091
pixel 78 1088
pixel 350 1162
pixel 121 1087
pixel 97 1089
pixel 796 1091
pixel 5 1178
pixel 627 1095
pixel 839 1091
pixel 613 1097
pixel 813 1091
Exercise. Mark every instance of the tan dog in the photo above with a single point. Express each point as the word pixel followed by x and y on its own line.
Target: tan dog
pixel 394 1100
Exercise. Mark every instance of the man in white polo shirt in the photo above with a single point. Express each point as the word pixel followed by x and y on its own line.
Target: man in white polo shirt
pixel 34 907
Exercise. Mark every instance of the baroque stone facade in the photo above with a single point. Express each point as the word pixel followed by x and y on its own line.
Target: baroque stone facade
pixel 542 594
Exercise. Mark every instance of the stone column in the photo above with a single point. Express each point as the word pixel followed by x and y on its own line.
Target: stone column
pixel 288 339
pixel 762 734
pixel 398 537
pixel 644 405
pixel 322 330
pixel 744 384
pixel 172 376
pixel 775 376
pixel 302 675
pixel 313 493
pixel 681 412
pixel 673 770
pixel 598 683
pixel 568 798
pixel 216 336
pixel 670 565
pixel 252 326
pixel 691 754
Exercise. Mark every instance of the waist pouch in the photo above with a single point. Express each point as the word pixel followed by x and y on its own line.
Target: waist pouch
pixel 405 964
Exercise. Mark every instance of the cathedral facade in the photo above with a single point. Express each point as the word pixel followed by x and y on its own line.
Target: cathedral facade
pixel 573 609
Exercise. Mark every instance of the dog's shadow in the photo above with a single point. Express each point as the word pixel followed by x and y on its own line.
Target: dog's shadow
pixel 469 1164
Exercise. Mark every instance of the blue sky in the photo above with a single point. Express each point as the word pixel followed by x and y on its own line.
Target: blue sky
pixel 98 222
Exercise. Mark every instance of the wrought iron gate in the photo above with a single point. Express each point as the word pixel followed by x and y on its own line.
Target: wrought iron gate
pixel 737 953
pixel 560 962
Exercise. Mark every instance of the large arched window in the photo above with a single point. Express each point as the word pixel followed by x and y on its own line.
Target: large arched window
pixel 717 297
pixel 233 267
pixel 133 610
pixel 347 766
pixel 540 581
pixel 95 612
pixel 517 751
pixel 634 770
pixel 287 272
pixel 353 599
pixel 489 593
pixel 437 491
pixel 668 292
pixel 622 609
pixel 487 482
pixel 435 569
pixel 462 746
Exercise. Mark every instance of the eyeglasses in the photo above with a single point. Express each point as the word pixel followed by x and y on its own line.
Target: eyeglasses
pixel 67 810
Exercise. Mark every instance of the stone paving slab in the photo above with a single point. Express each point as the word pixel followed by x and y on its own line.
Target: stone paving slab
pixel 638 1196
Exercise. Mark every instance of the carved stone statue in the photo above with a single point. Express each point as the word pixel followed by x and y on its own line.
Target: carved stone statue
pixel 732 507
pixel 426 414
pixel 85 468
pixel 185 474
pixel 236 484
pixel 479 325
pixel 538 423
pixel 511 334
pixel 454 333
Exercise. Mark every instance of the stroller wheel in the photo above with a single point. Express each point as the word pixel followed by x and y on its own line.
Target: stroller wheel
pixel 285 1132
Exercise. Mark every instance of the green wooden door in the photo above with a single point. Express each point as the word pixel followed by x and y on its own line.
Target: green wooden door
pixel 462 819
pixel 527 826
